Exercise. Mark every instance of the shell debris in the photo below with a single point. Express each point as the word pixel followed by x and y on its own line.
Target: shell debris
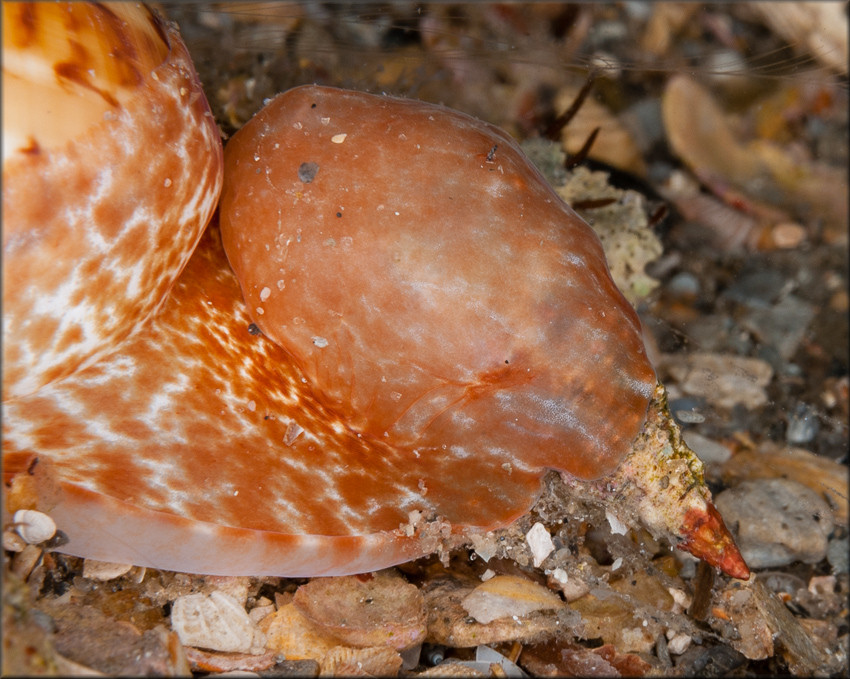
pixel 216 622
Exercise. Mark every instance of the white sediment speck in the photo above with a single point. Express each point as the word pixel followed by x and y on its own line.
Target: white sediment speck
pixel 617 526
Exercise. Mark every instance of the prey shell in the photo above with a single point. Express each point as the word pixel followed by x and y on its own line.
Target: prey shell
pixel 432 287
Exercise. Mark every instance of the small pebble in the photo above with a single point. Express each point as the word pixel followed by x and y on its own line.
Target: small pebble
pixel 644 119
pixel 778 522
pixel 33 526
pixel 12 542
pixel 722 380
pixel 782 326
pixel 837 555
pixel 788 235
pixel 685 407
pixel 757 289
pixel 689 417
pixel 560 575
pixel 839 301
pixel 802 425
pixel 678 644
pixel 684 285
pixel 104 570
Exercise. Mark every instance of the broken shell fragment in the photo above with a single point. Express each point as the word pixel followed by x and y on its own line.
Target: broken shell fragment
pixel 540 543
pixel 103 570
pixel 215 622
pixel 509 595
pixel 380 609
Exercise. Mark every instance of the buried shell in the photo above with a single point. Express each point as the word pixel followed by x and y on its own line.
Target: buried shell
pixel 198 445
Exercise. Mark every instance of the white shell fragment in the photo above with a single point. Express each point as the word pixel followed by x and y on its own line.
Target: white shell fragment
pixel 484 546
pixel 540 543
pixel 560 576
pixel 33 526
pixel 508 595
pixel 617 526
pixel 215 622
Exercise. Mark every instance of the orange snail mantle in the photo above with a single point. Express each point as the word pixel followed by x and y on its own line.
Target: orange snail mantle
pixel 437 330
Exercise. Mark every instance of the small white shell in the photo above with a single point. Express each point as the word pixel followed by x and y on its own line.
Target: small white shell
pixel 33 526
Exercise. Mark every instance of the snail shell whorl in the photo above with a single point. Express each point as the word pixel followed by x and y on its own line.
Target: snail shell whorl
pixel 112 168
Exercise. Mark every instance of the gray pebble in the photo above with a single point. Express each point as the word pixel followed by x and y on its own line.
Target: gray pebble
pixel 757 289
pixel 710 452
pixel 802 425
pixel 783 325
pixel 777 522
pixel 837 555
pixel 683 284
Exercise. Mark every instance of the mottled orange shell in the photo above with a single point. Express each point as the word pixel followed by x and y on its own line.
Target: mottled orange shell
pixel 433 288
pixel 112 168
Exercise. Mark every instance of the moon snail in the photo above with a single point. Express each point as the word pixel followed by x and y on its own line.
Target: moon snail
pixel 396 317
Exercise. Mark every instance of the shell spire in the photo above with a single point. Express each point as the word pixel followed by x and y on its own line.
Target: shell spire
pixel 660 486
pixel 707 538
